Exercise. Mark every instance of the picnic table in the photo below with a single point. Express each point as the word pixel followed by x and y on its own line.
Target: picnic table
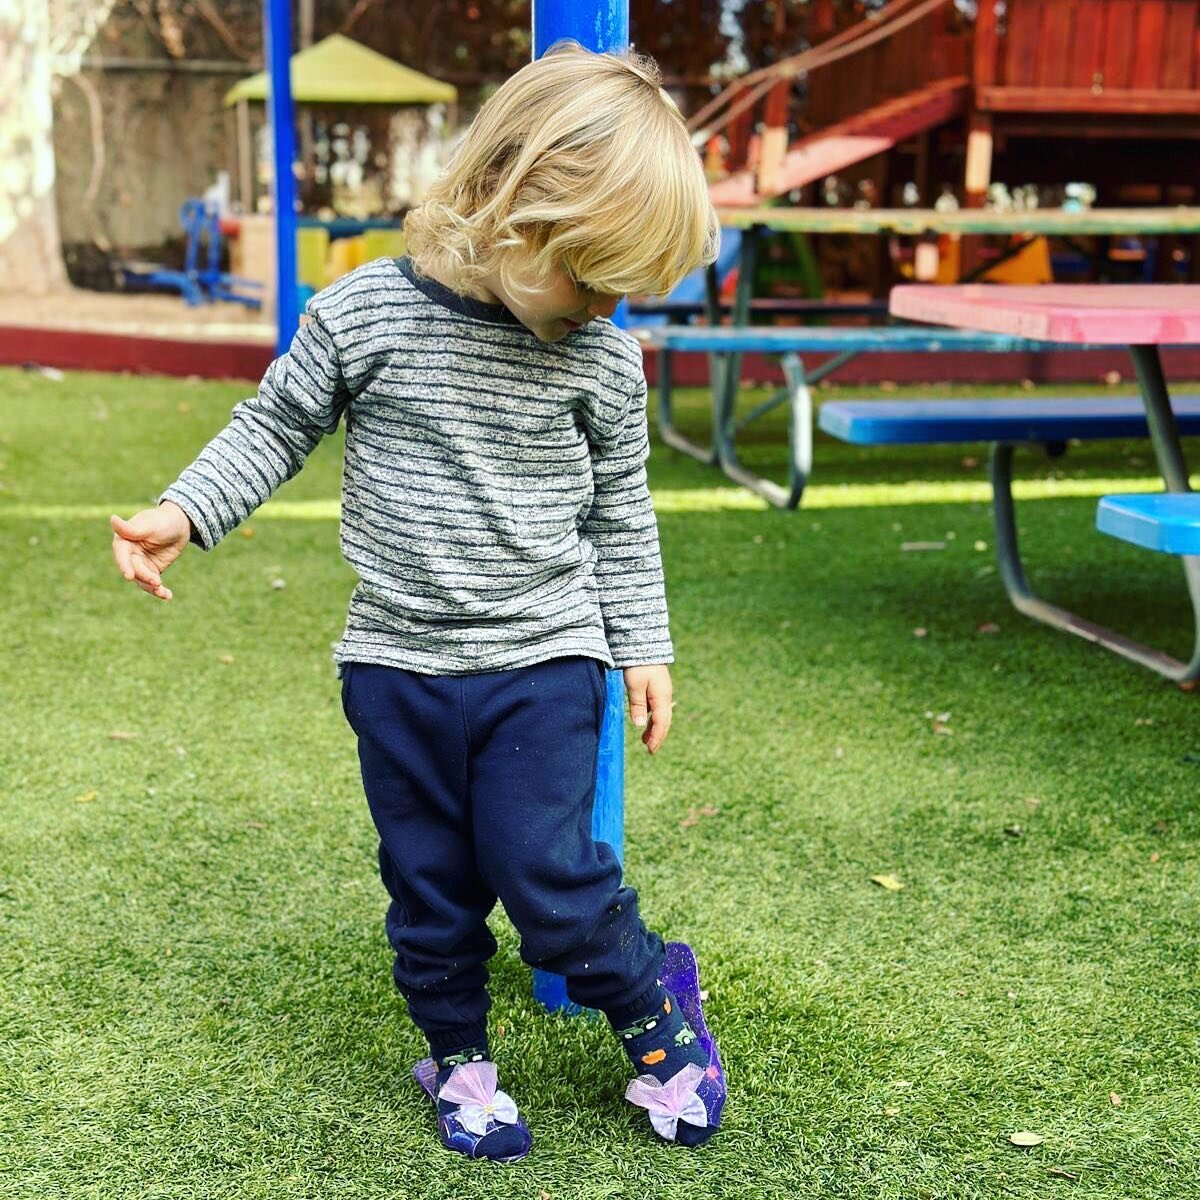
pixel 1142 317
pixel 726 343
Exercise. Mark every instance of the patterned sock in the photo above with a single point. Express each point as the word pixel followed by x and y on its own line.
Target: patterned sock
pixel 661 1044
pixel 466 1120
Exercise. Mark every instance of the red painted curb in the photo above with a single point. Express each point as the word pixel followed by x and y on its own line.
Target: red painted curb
pixel 81 350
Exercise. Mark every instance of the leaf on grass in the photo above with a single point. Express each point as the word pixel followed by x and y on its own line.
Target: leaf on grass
pixel 1026 1139
pixel 1061 1173
pixel 1188 685
pixel 900 1084
pixel 1143 721
pixel 255 825
pixel 970 463
pixel 279 584
pixel 891 1111
pixel 709 810
pixel 87 797
pixel 945 730
pixel 889 883
pixel 1115 1100
pixel 247 531
pixel 1032 803
pixel 122 735
pixel 905 547
pixel 920 631
pixel 1155 857
pixel 225 658
pixel 987 627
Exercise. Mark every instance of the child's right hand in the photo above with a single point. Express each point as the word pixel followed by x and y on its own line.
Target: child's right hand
pixel 148 543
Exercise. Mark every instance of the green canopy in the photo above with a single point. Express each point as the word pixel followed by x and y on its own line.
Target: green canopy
pixel 341 71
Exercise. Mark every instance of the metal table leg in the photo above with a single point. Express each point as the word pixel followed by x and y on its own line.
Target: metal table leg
pixel 797 394
pixel 1168 450
pixel 722 366
pixel 666 421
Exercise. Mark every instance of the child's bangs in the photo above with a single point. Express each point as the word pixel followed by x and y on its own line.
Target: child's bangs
pixel 646 235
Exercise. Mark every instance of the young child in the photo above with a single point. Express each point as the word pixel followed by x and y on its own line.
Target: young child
pixel 495 510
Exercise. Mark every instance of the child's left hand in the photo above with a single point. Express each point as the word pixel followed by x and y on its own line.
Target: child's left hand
pixel 649 691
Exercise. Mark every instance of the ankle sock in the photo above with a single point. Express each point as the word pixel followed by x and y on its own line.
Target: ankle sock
pixel 475 1118
pixel 660 1043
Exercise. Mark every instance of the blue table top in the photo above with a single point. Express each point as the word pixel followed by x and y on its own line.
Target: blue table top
pixel 801 339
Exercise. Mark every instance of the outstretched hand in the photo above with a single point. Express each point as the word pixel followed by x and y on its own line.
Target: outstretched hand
pixel 148 543
pixel 649 691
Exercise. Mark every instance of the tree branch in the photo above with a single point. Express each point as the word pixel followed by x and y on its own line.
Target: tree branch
pixel 210 14
pixel 356 13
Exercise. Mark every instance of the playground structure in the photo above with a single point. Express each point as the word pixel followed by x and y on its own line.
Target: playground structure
pixel 198 283
pixel 335 75
pixel 1053 75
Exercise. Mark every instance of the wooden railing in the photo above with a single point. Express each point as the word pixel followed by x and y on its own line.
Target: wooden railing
pixel 935 47
pixel 905 46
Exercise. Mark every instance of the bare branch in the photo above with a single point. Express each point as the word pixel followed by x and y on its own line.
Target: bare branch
pixel 210 14
pixel 356 14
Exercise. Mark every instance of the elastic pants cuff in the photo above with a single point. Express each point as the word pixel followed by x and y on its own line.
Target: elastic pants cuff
pixel 443 1042
pixel 640 1006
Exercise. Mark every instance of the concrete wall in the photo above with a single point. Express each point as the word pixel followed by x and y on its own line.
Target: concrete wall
pixel 165 137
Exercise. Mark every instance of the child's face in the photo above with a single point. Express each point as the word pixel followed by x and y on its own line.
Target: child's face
pixel 558 306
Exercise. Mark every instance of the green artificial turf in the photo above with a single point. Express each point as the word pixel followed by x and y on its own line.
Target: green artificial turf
pixel 195 999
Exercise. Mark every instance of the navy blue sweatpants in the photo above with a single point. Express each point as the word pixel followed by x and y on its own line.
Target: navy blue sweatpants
pixel 481 787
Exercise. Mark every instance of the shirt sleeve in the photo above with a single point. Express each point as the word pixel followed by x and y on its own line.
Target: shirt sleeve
pixel 301 398
pixel 622 528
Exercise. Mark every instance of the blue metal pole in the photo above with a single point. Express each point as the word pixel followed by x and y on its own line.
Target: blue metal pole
pixel 277 41
pixel 597 25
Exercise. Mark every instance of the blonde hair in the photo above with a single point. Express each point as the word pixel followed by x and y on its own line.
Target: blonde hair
pixel 579 161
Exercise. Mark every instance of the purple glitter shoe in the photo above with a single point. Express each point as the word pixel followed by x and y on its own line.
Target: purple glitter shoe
pixel 485 1124
pixel 680 1099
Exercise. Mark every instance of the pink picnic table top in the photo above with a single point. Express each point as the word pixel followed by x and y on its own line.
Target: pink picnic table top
pixel 1115 313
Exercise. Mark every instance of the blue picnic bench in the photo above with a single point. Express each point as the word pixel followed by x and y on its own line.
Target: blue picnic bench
pixel 1168 522
pixel 725 345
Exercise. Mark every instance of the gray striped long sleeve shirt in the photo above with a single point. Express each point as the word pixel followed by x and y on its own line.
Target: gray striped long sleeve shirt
pixel 494 498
